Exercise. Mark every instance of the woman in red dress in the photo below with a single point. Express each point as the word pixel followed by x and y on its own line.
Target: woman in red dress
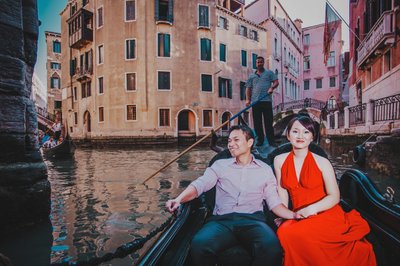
pixel 324 234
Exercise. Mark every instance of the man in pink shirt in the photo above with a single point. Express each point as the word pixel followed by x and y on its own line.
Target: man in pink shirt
pixel 242 183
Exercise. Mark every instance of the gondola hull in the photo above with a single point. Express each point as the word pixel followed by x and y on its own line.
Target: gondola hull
pixel 62 150
pixel 358 192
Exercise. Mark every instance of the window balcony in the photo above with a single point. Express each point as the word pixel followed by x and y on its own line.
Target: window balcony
pixel 84 74
pixel 80 28
pixel 380 35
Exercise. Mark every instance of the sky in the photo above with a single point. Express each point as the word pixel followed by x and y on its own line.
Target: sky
pixel 311 12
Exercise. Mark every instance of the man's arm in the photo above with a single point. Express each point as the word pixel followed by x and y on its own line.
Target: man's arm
pixel 248 96
pixel 188 194
pixel 275 84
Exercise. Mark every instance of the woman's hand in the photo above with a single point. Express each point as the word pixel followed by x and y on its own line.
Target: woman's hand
pixel 306 212
pixel 172 205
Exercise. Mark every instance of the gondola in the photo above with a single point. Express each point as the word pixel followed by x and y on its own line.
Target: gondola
pixel 65 149
pixel 357 192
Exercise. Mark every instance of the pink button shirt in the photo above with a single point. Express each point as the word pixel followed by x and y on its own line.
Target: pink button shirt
pixel 239 189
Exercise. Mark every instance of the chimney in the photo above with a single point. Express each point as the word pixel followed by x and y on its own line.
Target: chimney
pixel 298 22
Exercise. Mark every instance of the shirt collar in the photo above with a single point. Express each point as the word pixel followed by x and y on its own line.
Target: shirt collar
pixel 255 72
pixel 254 162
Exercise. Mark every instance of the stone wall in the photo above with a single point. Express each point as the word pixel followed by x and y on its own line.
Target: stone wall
pixel 24 188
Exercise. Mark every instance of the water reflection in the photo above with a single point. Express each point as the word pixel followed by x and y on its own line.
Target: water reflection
pixel 99 203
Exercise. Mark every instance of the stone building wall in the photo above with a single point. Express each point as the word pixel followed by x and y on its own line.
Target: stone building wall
pixel 24 188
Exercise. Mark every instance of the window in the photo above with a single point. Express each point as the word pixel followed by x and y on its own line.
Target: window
pixel 54 65
pixel 56 47
pixel 254 59
pixel 130 84
pixel 75 94
pixel 57 104
pixel 83 90
pixel 100 84
pixel 253 35
pixel 164 45
pixel 331 59
pixel 130 12
pixel 242 90
pixel 55 82
pixel 222 22
pixel 205 49
pixel 164 11
pixel 222 52
pixel 306 39
pixel 99 17
pixel 72 66
pixel 86 89
pixel 318 84
pixel 224 88
pixel 387 66
pixel 101 54
pixel 243 30
pixel 164 80
pixel 275 47
pixel 75 118
pixel 203 16
pixel 131 112
pixel 164 118
pixel 306 65
pixel 206 82
pixel 332 82
pixel 101 114
pixel 244 58
pixel 306 84
pixel 207 118
pixel 130 49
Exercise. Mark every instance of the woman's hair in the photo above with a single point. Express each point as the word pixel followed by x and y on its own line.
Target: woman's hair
pixel 305 121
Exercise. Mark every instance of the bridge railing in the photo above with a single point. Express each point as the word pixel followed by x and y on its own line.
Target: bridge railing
pixel 44 114
pixel 300 104
pixel 387 108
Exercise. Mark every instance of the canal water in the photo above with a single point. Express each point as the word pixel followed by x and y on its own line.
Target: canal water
pixel 99 202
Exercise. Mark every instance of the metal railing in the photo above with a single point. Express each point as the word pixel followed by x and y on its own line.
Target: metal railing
pixel 44 114
pixel 387 108
pixel 357 114
pixel 332 121
pixel 341 120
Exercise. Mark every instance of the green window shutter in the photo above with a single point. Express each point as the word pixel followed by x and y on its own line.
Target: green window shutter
pixel 229 88
pixel 222 52
pixel 244 58
pixel 220 92
pixel 242 90
pixel 160 39
pixel 167 45
pixel 156 10
pixel 254 61
pixel 171 11
pixel 206 83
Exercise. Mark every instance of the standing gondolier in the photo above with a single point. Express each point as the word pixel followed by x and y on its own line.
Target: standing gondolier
pixel 56 129
pixel 261 84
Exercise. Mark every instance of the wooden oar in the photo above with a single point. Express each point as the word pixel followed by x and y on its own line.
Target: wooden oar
pixel 203 138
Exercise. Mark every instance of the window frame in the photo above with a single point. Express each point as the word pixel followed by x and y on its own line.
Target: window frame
pixel 226 52
pixel 170 80
pixel 304 62
pixel 212 118
pixel 58 44
pixel 100 121
pixel 330 82
pixel 198 17
pixel 125 14
pixel 316 83
pixel 304 84
pixel 225 23
pixel 98 54
pixel 211 52
pixel 306 39
pixel 159 117
pixel 201 83
pixel 97 17
pixel 331 59
pixel 126 82
pixel 241 58
pixel 126 113
pixel 98 85
pixel 134 52
pixel 158 44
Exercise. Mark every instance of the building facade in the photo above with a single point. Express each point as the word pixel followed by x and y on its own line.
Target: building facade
pixel 374 53
pixel 132 69
pixel 283 49
pixel 322 81
pixel 38 93
pixel 53 68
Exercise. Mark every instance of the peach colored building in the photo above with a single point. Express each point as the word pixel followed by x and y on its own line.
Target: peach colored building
pixel 322 81
pixel 284 47
pixel 375 55
pixel 53 66
pixel 162 69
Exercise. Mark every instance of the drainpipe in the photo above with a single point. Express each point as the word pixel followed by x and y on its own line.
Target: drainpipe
pixel 145 61
pixel 283 99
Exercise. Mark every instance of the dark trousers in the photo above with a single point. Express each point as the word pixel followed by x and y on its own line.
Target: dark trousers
pixel 262 112
pixel 224 231
pixel 57 135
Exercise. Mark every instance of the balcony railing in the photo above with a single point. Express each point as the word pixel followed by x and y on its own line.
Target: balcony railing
pixel 84 74
pixel 357 114
pixel 381 31
pixel 387 108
